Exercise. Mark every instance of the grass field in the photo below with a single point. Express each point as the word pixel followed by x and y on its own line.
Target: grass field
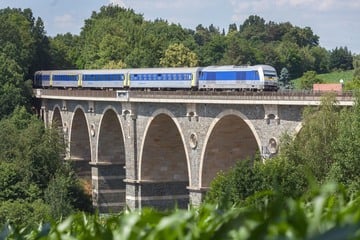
pixel 333 77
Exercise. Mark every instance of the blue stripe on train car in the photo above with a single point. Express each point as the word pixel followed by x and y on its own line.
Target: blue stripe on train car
pixel 69 78
pixel 161 77
pixel 230 75
pixel 103 77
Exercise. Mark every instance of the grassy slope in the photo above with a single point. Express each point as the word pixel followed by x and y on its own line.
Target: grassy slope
pixel 333 77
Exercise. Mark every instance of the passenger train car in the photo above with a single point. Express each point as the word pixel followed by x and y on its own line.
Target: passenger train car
pixel 258 77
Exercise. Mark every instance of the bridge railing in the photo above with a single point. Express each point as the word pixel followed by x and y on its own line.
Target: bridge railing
pixel 293 95
pixel 234 95
pixel 78 93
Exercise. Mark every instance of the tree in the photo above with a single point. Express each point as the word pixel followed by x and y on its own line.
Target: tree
pixel 355 83
pixel 253 28
pixel 321 59
pixel 356 64
pixel 313 146
pixel 212 51
pixel 64 51
pixel 303 37
pixel 30 161
pixel 247 182
pixel 284 78
pixel 238 51
pixel 347 148
pixel 309 79
pixel 232 28
pixel 341 59
pixel 290 57
pixel 177 55
pixel 12 87
pixel 22 39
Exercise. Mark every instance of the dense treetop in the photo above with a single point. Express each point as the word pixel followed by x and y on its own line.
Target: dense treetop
pixel 119 35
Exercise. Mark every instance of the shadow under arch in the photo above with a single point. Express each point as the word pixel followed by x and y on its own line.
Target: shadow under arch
pixel 111 146
pixel 56 118
pixel 164 169
pixel 110 164
pixel 230 138
pixel 79 149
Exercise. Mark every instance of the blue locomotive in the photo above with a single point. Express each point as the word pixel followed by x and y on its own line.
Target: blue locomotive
pixel 258 77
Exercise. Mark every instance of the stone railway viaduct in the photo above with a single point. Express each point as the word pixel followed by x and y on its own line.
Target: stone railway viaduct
pixel 162 149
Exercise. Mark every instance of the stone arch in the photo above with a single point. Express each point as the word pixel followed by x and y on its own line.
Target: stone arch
pixel 57 123
pixel 155 120
pixel 230 138
pixel 164 164
pixel 109 167
pixel 111 146
pixel 80 150
pixel 56 118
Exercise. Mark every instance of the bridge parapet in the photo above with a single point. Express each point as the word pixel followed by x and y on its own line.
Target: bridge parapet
pixel 233 97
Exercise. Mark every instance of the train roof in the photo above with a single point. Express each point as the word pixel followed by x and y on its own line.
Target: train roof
pixel 124 71
pixel 85 71
pixel 235 67
pixel 158 70
pixel 164 70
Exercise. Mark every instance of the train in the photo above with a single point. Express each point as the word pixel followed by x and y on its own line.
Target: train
pixel 254 78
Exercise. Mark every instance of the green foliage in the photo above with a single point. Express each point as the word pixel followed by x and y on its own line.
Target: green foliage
pixel 329 214
pixel 22 41
pixel 284 78
pixel 355 83
pixel 32 172
pixel 177 55
pixel 347 148
pixel 116 35
pixel 234 187
pixel 341 58
pixel 313 146
pixel 246 182
pixel 64 51
pixel 119 35
pixel 309 79
pixel 21 213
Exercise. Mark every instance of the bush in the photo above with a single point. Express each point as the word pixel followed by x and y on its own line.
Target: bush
pixel 22 214
pixel 277 175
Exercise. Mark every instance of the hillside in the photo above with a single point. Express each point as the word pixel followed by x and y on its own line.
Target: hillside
pixel 332 77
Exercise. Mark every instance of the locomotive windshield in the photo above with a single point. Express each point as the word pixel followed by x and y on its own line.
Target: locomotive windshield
pixel 270 75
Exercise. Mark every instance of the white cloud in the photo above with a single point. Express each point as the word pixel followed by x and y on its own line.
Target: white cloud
pixel 119 3
pixel 65 21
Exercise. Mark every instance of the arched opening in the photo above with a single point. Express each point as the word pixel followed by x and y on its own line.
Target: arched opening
pixel 58 125
pixel 164 171
pixel 111 147
pixel 231 140
pixel 57 120
pixel 110 164
pixel 80 153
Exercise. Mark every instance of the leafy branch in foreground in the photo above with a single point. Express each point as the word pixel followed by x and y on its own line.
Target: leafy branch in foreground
pixel 331 214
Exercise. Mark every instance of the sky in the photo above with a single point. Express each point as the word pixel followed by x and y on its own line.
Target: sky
pixel 336 22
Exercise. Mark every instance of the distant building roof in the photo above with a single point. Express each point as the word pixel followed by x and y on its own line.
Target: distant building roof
pixel 328 87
